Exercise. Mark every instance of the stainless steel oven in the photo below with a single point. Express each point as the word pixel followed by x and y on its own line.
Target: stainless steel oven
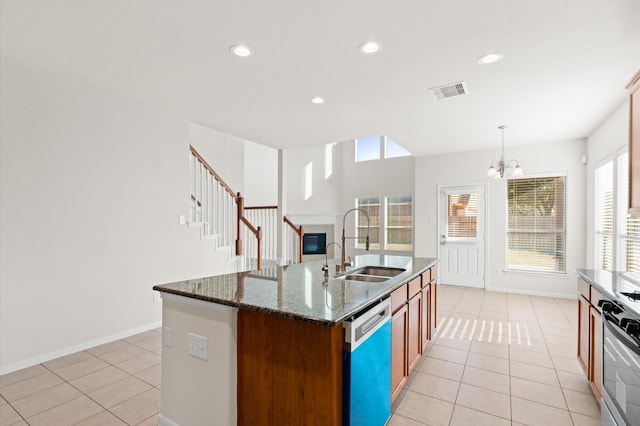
pixel 621 365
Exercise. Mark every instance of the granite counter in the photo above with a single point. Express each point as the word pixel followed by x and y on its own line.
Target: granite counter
pixel 301 291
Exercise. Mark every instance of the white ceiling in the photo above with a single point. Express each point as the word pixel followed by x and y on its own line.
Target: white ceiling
pixel 564 68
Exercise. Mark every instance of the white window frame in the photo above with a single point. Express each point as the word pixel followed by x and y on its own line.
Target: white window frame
pixel 533 270
pixel 598 232
pixel 382 146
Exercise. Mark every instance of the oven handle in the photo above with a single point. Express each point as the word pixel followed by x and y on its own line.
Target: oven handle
pixel 620 336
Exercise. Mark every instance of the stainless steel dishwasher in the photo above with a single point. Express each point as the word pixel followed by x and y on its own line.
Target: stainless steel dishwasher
pixel 366 359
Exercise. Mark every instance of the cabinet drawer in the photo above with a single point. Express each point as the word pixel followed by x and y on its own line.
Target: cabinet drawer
pixel 584 289
pixel 426 277
pixel 434 273
pixel 595 298
pixel 399 298
pixel 414 286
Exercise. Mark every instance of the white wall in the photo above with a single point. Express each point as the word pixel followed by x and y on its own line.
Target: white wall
pixel 333 195
pixel 260 175
pixel 604 143
pixel 91 189
pixel 377 178
pixel 324 197
pixel 471 168
pixel 224 153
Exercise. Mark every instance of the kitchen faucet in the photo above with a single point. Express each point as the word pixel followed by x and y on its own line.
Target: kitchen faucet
pixel 325 267
pixel 343 262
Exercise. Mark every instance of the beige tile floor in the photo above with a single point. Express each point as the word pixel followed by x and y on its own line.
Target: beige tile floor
pixel 498 359
pixel 108 385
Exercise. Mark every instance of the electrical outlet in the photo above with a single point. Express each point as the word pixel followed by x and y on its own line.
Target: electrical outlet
pixel 182 219
pixel 166 336
pixel 198 346
pixel 156 297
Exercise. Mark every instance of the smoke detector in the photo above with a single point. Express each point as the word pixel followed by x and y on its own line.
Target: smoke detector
pixel 449 90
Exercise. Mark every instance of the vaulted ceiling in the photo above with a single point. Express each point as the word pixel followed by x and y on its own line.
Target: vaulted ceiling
pixel 564 66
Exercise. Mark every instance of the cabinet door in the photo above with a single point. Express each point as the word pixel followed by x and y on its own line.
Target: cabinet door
pixel 433 308
pixel 595 362
pixel 398 351
pixel 425 316
pixel 414 335
pixel 583 333
pixel 634 144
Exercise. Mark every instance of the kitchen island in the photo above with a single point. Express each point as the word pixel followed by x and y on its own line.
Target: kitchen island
pixel 274 341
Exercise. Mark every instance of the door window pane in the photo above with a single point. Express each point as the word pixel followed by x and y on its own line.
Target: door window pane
pixel 462 212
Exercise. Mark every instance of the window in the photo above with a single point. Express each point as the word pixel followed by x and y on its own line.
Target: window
pixel 462 216
pixel 397 220
pixel 604 242
pixel 372 206
pixel 368 148
pixel 536 224
pixel 377 147
pixel 628 253
pixel 392 150
pixel 399 223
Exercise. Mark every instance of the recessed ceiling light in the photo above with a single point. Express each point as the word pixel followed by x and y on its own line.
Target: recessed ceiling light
pixel 317 100
pixel 240 50
pixel 370 47
pixel 490 58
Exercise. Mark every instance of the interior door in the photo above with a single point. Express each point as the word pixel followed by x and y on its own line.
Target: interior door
pixel 462 235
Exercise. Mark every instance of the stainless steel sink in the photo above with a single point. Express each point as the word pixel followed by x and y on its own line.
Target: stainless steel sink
pixel 361 277
pixel 380 271
pixel 371 274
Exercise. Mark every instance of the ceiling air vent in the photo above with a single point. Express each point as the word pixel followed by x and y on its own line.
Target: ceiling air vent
pixel 449 90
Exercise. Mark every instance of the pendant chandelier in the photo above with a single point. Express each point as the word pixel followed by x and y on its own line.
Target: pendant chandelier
pixel 496 171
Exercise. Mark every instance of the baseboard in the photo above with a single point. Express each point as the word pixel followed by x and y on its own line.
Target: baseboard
pixel 163 421
pixel 534 293
pixel 76 348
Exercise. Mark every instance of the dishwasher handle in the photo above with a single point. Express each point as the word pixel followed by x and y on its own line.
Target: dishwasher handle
pixel 359 329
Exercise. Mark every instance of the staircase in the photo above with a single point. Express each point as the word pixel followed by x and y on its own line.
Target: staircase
pixel 249 233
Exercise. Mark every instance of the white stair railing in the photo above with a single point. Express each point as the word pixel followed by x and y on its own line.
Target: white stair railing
pixel 292 244
pixel 265 217
pixel 221 214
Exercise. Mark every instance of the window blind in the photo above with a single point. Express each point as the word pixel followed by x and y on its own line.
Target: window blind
pixel 628 227
pixel 462 216
pixel 399 223
pixel 604 216
pixel 372 206
pixel 536 224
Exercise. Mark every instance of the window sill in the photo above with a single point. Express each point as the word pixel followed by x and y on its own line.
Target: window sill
pixel 562 275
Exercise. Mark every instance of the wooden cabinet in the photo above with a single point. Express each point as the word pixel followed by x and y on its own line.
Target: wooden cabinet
pixel 414 332
pixel 583 333
pixel 289 371
pixel 634 144
pixel 425 319
pixel 399 369
pixel 590 335
pixel 595 362
pixel 413 323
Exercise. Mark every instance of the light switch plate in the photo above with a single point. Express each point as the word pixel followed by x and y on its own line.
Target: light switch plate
pixel 198 346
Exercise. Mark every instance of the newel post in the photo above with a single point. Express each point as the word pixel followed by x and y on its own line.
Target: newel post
pixel 259 235
pixel 300 239
pixel 240 203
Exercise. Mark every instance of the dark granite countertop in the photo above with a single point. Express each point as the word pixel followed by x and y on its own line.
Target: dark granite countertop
pixel 301 291
pixel 613 284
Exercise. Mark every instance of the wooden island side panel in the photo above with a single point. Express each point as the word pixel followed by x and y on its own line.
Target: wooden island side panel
pixel 289 372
